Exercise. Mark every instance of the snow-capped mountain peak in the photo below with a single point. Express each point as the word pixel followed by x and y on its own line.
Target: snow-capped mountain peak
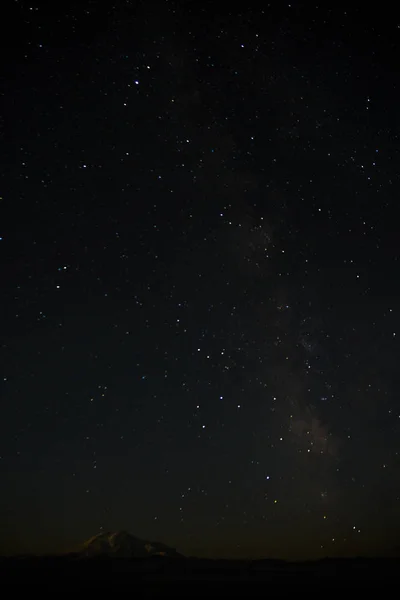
pixel 123 544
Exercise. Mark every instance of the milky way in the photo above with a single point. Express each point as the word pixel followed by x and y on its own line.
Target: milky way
pixel 199 256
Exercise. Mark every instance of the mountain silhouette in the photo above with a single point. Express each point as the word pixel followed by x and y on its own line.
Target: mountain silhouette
pixel 123 544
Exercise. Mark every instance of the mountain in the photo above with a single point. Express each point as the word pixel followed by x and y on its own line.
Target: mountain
pixel 123 544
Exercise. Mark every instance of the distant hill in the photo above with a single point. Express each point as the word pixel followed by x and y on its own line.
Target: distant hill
pixel 123 544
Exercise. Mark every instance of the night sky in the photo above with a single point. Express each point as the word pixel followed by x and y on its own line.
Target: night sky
pixel 199 258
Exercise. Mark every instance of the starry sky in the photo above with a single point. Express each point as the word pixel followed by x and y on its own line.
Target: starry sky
pixel 199 258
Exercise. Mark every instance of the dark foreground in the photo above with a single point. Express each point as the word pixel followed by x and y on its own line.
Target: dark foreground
pixel 156 576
